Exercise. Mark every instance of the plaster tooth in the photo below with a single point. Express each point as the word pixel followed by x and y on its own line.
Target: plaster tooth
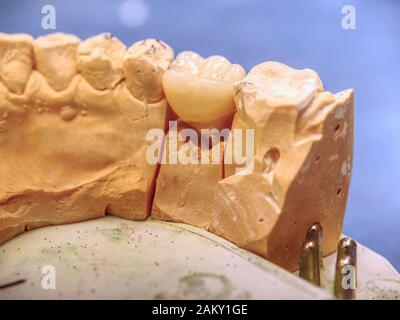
pixel 16 61
pixel 200 91
pixel 101 61
pixel 282 85
pixel 56 58
pixel 293 122
pixel 144 65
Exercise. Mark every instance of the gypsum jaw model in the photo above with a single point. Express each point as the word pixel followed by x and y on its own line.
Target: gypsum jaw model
pixel 71 112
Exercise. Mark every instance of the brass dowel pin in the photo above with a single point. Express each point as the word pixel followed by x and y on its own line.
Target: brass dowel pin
pixel 346 270
pixel 309 262
pixel 311 255
pixel 315 234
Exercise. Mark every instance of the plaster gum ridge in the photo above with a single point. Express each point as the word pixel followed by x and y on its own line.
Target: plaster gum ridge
pixel 73 122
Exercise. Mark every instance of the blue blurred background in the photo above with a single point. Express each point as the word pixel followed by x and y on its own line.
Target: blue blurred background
pixel 305 33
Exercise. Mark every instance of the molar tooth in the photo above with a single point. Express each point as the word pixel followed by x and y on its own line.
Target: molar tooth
pixel 188 61
pixel 201 91
pixel 56 58
pixel 280 84
pixel 233 72
pixel 16 60
pixel 144 65
pixel 101 60
pixel 213 67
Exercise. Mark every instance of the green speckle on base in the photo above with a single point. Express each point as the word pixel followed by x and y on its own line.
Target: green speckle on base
pixel 201 286
pixel 114 234
pixel 202 280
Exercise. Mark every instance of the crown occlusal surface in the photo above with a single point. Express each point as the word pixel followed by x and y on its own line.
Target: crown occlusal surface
pixel 144 64
pixel 101 60
pixel 56 58
pixel 16 60
pixel 200 91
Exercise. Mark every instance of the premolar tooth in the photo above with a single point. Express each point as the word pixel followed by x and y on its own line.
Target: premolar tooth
pixel 101 60
pixel 16 60
pixel 144 65
pixel 56 58
pixel 200 91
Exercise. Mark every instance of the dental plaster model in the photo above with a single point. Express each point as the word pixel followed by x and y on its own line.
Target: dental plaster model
pixel 74 119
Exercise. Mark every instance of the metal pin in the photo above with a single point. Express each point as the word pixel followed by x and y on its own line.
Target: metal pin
pixel 346 270
pixel 315 234
pixel 309 262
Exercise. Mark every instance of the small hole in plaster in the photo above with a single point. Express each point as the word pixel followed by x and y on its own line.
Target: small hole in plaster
pixel 271 159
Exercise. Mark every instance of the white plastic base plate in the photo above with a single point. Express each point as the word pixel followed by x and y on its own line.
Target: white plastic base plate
pixel 112 258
